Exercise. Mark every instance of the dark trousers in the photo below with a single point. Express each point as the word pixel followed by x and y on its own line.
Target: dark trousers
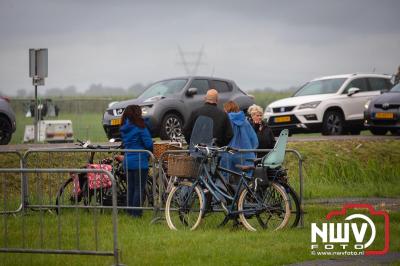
pixel 137 180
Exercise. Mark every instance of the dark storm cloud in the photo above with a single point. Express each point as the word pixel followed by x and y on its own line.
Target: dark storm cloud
pixel 353 17
pixel 257 43
pixel 305 21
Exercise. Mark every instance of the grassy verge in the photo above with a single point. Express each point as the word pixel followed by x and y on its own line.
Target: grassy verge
pixel 349 168
pixel 144 243
pixel 86 126
pixel 330 168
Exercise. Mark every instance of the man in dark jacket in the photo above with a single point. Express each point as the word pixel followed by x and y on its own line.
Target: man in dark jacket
pixel 222 129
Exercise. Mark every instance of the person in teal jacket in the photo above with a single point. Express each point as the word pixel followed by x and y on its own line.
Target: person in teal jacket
pixel 136 136
pixel 244 137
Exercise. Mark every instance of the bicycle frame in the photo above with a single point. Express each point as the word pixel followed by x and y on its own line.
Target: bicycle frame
pixel 205 179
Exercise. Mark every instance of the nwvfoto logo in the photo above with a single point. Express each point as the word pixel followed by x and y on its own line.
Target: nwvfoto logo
pixel 337 235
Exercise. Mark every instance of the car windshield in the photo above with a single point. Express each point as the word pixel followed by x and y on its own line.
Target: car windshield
pixel 164 88
pixel 396 88
pixel 323 86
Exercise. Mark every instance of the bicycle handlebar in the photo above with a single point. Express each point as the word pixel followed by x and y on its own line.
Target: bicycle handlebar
pixel 210 149
pixel 88 145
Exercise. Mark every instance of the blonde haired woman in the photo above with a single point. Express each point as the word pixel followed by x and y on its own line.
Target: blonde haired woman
pixel 266 139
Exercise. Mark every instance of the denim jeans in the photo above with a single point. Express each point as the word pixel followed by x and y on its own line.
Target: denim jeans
pixel 137 180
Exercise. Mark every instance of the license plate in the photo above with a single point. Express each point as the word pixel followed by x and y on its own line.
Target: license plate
pixel 116 122
pixel 59 134
pixel 282 119
pixel 384 115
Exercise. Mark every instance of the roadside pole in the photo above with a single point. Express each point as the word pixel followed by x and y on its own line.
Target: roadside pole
pixel 38 72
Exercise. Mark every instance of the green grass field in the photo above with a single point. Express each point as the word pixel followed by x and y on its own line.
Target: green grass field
pixel 86 126
pixel 348 168
pixel 330 169
pixel 143 243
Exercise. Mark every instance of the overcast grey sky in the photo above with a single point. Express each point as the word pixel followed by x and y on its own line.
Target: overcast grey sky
pixel 256 43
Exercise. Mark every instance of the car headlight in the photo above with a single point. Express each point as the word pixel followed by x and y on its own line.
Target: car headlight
pixel 118 111
pixel 366 105
pixel 145 110
pixel 311 105
pixel 268 110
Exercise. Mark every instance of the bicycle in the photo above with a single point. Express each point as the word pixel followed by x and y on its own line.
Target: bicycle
pixel 87 188
pixel 280 176
pixel 258 207
pixel 270 167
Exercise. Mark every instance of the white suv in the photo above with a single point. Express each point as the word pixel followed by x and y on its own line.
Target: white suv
pixel 331 105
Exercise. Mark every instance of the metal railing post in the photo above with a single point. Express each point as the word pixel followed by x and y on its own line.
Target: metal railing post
pixel 41 206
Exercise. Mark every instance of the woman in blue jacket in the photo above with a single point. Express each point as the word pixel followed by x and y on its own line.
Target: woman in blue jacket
pixel 244 137
pixel 136 136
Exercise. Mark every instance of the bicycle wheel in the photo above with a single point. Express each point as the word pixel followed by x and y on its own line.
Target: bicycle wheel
pixel 184 207
pixel 67 194
pixel 264 209
pixel 294 204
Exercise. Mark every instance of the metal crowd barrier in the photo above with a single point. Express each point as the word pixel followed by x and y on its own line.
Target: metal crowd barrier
pixel 159 177
pixel 11 243
pixel 28 159
pixel 43 200
pixel 18 162
pixel 163 180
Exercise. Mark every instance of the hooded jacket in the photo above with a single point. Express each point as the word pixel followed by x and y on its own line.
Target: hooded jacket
pixel 134 137
pixel 244 136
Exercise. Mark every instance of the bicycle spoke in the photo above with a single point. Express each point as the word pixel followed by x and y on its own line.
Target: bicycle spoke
pixel 183 207
pixel 270 206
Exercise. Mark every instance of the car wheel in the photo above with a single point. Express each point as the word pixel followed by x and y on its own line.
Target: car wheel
pixel 378 131
pixel 5 131
pixel 332 123
pixel 171 127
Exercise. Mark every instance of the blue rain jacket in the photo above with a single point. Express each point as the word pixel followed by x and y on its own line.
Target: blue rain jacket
pixel 136 138
pixel 244 137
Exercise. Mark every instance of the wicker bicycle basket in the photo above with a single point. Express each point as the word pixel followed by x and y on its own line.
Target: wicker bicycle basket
pixel 160 147
pixel 182 166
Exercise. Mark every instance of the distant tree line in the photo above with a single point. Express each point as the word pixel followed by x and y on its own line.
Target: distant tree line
pixel 95 90
pixel 265 96
pixel 99 90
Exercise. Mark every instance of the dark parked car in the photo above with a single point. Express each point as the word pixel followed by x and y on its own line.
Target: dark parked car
pixel 382 114
pixel 7 121
pixel 168 104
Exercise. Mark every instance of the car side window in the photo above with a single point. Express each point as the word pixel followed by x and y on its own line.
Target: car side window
pixel 360 83
pixel 221 86
pixel 201 85
pixel 378 84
